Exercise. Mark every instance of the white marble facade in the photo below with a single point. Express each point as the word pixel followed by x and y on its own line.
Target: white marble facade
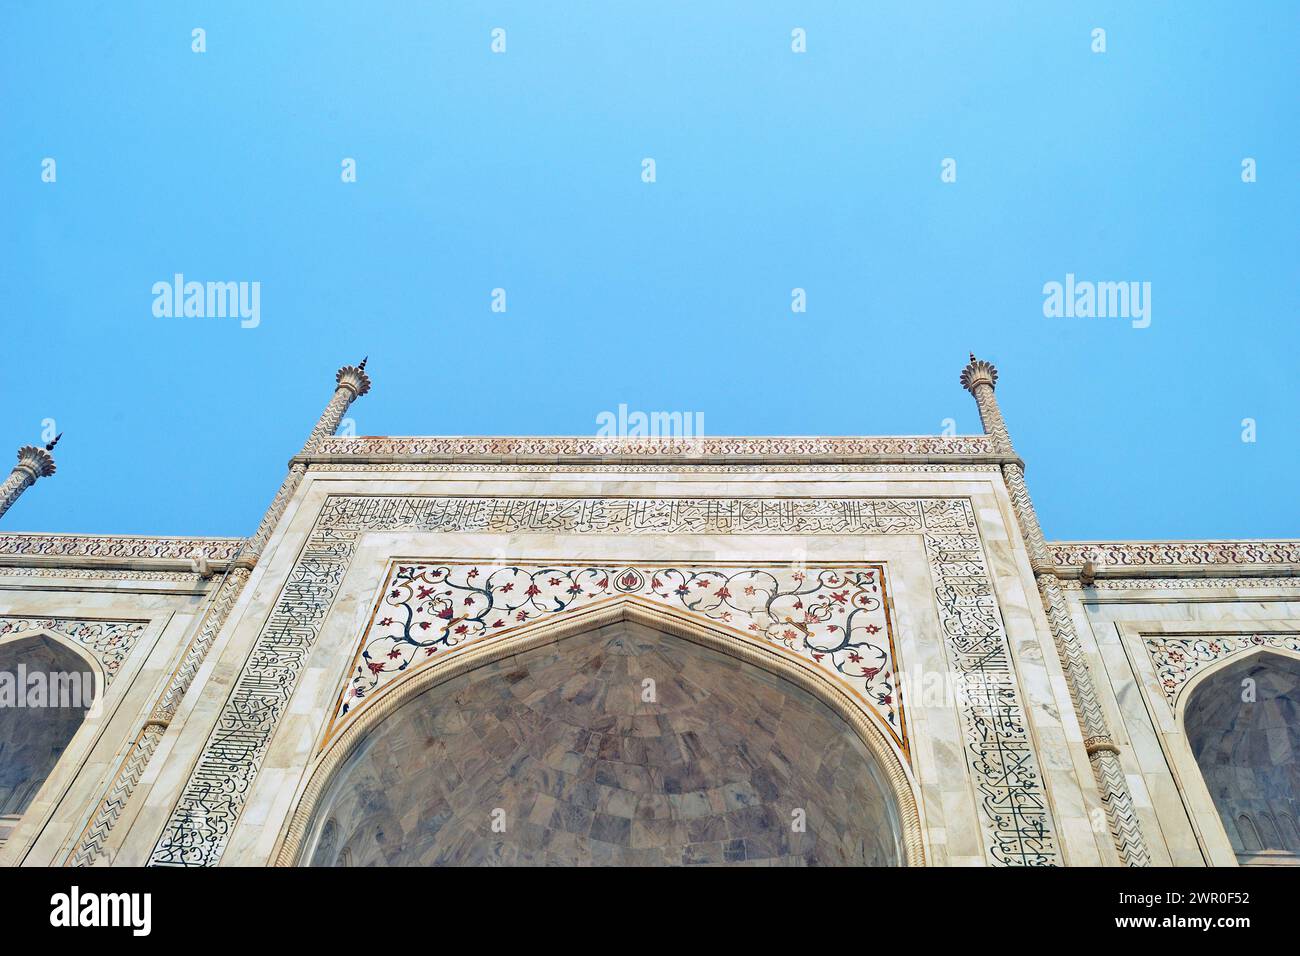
pixel 967 706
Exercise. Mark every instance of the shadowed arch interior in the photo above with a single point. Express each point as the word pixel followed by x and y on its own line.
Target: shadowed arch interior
pixel 565 754
pixel 34 736
pixel 1243 724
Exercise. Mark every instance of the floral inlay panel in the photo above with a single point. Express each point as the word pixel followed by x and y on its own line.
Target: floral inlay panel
pixel 836 618
pixel 1179 659
pixel 109 642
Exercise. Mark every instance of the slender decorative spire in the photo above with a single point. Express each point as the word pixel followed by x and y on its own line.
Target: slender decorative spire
pixel 33 462
pixel 979 378
pixel 352 382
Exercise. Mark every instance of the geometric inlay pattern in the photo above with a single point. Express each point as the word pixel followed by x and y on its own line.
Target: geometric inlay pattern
pixel 109 642
pixel 1016 820
pixel 834 618
pixel 1178 659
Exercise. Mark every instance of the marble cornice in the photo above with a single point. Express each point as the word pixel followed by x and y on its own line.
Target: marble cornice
pixel 956 450
pixel 1117 559
pixel 114 552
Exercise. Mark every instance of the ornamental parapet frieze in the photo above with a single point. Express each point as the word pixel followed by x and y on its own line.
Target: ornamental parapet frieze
pixel 123 552
pixel 960 448
pixel 1117 559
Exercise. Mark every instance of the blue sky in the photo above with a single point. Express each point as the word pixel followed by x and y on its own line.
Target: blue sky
pixel 775 170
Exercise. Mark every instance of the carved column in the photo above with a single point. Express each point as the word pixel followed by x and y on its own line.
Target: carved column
pixel 33 463
pixel 351 383
pixel 979 378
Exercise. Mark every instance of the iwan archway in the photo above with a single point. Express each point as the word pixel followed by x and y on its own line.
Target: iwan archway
pixel 1243 725
pixel 47 686
pixel 627 735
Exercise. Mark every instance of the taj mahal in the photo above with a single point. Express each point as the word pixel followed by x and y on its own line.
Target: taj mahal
pixel 648 651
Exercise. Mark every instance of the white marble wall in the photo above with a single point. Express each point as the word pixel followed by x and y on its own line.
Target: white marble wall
pixel 1179 822
pixel 948 802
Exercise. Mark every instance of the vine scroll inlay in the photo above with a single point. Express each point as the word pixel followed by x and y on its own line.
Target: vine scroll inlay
pixel 832 617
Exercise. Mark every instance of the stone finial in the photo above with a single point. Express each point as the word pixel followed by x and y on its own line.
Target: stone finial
pixel 353 382
pixel 354 377
pixel 978 372
pixel 38 462
pixel 33 462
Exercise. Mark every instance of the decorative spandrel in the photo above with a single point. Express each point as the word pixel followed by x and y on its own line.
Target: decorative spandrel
pixel 1178 659
pixel 109 642
pixel 835 618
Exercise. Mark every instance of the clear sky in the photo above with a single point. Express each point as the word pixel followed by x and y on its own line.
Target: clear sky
pixel 774 170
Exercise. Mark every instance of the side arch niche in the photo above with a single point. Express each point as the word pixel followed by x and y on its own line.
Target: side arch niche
pixel 1242 722
pixel 627 736
pixel 47 687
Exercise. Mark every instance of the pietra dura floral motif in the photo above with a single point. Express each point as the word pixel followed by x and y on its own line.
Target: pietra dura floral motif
pixel 1178 659
pixel 833 617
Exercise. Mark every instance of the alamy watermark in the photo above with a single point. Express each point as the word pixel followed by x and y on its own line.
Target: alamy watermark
pixel 1083 299
pixel 663 426
pixel 208 300
pixel 75 908
pixel 39 689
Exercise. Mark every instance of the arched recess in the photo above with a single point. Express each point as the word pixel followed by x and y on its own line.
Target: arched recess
pixel 303 830
pixel 1241 719
pixel 59 683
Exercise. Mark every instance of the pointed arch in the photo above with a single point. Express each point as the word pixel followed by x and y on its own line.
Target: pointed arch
pixel 1269 831
pixel 805 676
pixel 1188 691
pixel 89 659
pixel 1291 832
pixel 34 735
pixel 1249 834
pixel 1241 721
